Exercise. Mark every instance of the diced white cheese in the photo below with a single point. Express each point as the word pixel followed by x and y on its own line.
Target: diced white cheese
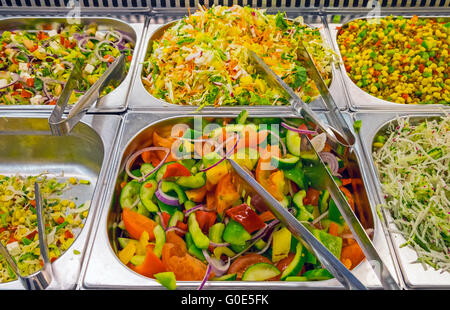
pixel 23 66
pixel 54 46
pixel 59 68
pixel 89 68
pixel 36 99
pixel 13 248
pixel 52 33
pixel 24 76
pixel 100 35
pixel 3 82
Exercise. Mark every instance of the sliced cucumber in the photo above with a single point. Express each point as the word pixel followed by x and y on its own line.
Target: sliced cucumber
pixel 141 209
pixel 297 263
pixel 260 272
pixel 160 239
pixel 137 260
pixel 293 141
pixel 146 194
pixel 166 279
pixel 123 242
pixel 227 277
pixel 177 216
pixel 284 163
pixel 194 181
pixel 129 194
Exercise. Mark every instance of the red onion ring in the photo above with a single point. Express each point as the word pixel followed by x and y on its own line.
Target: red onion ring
pixel 97 47
pixel 331 160
pixel 176 229
pixel 133 157
pixel 82 41
pixel 205 278
pixel 216 264
pixel 301 131
pixel 215 244
pixel 162 220
pixel 225 157
pixel 193 209
pixel 267 246
pixel 15 77
pixel 167 199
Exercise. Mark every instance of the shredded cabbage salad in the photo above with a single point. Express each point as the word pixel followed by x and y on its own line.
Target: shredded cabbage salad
pixel 35 65
pixel 413 161
pixel 18 221
pixel 203 59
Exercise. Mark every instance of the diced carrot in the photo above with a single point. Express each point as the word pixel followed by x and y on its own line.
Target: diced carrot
pixel 352 252
pixel 266 216
pixel 333 229
pixel 151 265
pixel 196 194
pixel 136 224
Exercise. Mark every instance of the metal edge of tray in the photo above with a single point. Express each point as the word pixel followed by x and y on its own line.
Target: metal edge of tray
pixel 104 270
pixel 362 100
pixel 414 275
pixel 107 128
pixel 141 100
pixel 117 100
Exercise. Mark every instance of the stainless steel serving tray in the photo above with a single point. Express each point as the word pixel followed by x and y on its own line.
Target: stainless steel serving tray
pixel 414 274
pixel 104 270
pixel 114 102
pixel 360 99
pixel 142 100
pixel 27 147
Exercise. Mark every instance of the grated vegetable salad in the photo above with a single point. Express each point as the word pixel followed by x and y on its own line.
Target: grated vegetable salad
pixel 18 221
pixel 413 162
pixel 35 65
pixel 203 59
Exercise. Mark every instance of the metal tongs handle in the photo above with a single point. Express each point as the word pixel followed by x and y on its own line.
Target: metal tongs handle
pixel 298 104
pixel 335 114
pixel 60 126
pixel 41 279
pixel 330 262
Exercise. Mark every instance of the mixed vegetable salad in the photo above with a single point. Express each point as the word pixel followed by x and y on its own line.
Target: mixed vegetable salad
pixel 413 162
pixel 184 216
pixel 35 65
pixel 18 221
pixel 203 59
pixel 403 60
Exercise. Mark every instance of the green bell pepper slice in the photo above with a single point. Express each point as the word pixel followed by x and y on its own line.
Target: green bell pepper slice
pixel 199 238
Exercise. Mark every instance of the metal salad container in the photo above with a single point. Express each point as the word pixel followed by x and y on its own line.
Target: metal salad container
pixel 414 274
pixel 114 102
pixel 104 270
pixel 142 100
pixel 27 147
pixel 360 99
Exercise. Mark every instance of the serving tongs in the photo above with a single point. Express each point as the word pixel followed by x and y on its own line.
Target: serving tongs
pixel 298 230
pixel 341 135
pixel 41 279
pixel 60 126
